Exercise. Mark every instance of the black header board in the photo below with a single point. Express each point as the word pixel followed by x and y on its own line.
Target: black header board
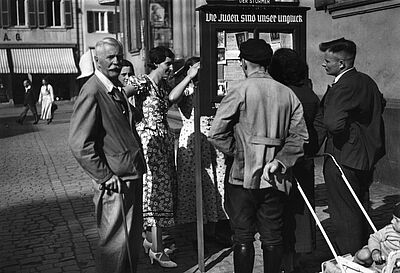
pixel 223 27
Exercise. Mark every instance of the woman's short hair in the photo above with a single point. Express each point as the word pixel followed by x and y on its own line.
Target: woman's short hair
pixel 287 67
pixel 158 55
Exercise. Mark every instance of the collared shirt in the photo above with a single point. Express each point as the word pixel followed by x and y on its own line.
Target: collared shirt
pixel 110 89
pixel 104 80
pixel 341 74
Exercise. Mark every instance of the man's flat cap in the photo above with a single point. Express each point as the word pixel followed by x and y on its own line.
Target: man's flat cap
pixel 256 51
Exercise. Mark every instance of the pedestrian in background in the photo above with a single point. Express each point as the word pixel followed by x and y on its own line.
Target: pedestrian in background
pixel 353 126
pixel 46 99
pixel 3 92
pixel 159 183
pixel 29 103
pixel 260 123
pixel 212 166
pixel 288 68
pixel 104 141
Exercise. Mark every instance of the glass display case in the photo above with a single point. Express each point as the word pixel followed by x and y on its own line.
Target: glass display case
pixel 223 27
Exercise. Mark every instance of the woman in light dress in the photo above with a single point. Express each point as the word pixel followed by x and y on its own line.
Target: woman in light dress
pixel 46 99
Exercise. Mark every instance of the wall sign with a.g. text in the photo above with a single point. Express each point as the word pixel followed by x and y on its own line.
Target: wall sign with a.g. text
pixel 253 18
pixel 8 37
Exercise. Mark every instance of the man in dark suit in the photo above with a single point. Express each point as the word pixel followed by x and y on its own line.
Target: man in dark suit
pixel 353 126
pixel 104 141
pixel 29 103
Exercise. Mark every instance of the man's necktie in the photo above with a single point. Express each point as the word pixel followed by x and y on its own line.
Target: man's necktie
pixel 121 99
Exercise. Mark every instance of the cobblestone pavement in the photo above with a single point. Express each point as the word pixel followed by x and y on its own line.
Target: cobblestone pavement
pixel 47 216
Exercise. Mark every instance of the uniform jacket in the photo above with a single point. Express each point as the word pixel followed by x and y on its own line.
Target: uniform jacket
pixel 259 120
pixel 352 121
pixel 102 135
pixel 29 97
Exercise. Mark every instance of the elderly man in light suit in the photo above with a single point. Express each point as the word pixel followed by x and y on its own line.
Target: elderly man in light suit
pixel 104 141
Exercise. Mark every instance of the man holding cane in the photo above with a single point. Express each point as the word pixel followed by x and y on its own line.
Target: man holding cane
pixel 104 141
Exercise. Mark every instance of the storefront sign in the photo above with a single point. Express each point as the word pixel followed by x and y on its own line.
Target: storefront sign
pixel 7 38
pixel 254 18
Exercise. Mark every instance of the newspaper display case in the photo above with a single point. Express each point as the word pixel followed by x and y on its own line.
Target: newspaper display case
pixel 224 25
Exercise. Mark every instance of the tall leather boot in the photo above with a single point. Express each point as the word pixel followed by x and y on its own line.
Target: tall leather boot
pixel 243 257
pixel 272 256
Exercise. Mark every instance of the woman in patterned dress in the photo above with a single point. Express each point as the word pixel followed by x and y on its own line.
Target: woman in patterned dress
pixel 159 183
pixel 213 162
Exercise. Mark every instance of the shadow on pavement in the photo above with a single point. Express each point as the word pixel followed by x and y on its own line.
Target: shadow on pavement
pixel 9 127
pixel 48 235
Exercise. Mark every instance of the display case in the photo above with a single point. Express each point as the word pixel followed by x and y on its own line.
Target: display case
pixel 224 25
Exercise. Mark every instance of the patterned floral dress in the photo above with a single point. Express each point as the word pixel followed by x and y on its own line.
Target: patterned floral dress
pixel 159 183
pixel 213 170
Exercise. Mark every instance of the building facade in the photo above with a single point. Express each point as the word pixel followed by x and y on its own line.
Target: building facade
pixel 374 25
pixel 39 38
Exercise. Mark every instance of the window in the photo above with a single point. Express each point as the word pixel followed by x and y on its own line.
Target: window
pixel 54 13
pixel 13 13
pixel 103 22
pixel 36 13
pixel 18 13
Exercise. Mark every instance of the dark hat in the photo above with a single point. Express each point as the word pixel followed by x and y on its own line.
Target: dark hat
pixel 256 51
pixel 396 210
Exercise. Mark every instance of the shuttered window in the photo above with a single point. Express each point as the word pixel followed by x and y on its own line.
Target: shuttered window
pixel 42 13
pixel 32 14
pixel 5 13
pixel 113 22
pixel 90 21
pixel 68 14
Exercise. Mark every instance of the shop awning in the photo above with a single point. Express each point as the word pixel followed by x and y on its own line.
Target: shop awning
pixel 44 60
pixel 4 68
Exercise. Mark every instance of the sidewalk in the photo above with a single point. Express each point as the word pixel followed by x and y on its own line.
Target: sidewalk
pixel 47 219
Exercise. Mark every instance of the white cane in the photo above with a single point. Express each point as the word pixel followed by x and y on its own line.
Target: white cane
pixel 126 231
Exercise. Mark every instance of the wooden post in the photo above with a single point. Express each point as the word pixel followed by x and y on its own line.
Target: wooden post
pixel 199 190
